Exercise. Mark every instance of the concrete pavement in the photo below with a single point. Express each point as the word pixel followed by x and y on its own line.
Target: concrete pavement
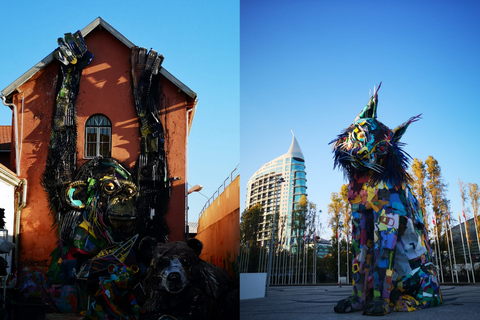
pixel 317 302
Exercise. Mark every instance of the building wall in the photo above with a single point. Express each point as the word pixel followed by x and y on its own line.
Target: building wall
pixel 219 230
pixel 104 88
pixel 8 185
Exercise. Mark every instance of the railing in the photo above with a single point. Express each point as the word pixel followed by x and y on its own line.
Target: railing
pixel 235 173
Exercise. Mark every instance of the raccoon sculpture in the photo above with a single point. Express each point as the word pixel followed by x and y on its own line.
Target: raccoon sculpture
pixel 392 260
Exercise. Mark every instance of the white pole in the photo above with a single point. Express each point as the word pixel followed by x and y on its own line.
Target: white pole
pixel 453 247
pixel 272 237
pixel 468 246
pixel 348 269
pixel 448 247
pixel 437 258
pixel 476 232
pixel 338 246
pixel 463 246
pixel 438 248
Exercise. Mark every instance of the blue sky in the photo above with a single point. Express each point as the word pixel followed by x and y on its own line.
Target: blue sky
pixel 263 68
pixel 308 66
pixel 200 42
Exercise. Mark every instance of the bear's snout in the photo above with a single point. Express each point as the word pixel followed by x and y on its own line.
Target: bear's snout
pixel 174 279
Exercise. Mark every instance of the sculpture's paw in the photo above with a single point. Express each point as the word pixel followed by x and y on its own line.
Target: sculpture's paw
pixel 406 303
pixel 376 307
pixel 346 305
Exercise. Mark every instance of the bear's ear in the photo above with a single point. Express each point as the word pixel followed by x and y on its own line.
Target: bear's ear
pixel 196 245
pixel 76 194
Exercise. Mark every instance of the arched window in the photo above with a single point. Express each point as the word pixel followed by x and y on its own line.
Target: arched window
pixel 98 136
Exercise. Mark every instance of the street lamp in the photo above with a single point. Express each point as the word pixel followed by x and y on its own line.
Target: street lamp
pixel 278 181
pixel 195 188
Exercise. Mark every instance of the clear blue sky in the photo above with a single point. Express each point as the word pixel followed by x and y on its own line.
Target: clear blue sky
pixel 309 66
pixel 200 42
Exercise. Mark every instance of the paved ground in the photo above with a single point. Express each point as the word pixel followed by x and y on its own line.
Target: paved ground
pixel 317 302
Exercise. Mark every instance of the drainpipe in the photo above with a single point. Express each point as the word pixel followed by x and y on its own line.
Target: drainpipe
pixel 23 201
pixel 187 231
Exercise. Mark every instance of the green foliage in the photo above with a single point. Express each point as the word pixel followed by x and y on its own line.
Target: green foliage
pixel 436 189
pixel 335 212
pixel 250 225
pixel 304 218
pixel 419 177
pixel 474 194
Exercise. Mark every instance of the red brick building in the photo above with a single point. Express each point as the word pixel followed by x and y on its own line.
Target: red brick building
pixel 5 145
pixel 105 90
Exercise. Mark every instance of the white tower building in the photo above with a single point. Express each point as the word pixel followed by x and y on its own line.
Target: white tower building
pixel 262 187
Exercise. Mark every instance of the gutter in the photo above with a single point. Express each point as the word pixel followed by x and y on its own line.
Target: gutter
pixel 15 124
pixel 187 132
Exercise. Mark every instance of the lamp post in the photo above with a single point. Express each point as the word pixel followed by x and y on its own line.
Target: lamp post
pixel 278 181
pixel 195 188
pixel 339 226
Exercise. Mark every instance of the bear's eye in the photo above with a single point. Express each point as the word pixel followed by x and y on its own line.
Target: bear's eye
pixel 163 262
pixel 184 261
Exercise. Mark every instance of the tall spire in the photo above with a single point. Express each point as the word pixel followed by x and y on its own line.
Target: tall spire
pixel 295 150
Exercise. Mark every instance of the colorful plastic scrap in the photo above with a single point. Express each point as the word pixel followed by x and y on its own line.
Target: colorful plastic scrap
pixel 392 260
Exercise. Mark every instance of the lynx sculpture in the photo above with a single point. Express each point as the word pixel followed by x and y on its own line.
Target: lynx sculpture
pixel 392 261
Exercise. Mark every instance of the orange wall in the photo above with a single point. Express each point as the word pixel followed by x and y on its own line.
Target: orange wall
pixel 219 230
pixel 104 88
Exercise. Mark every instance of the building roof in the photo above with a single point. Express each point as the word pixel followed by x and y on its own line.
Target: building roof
pixel 5 137
pixel 294 151
pixel 98 22
pixel 192 227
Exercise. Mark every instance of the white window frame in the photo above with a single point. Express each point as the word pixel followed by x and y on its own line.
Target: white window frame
pixel 98 122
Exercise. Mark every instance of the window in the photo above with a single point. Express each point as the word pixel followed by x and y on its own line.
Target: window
pixel 98 136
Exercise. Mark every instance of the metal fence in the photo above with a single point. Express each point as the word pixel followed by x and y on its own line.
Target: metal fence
pixel 295 266
pixel 235 173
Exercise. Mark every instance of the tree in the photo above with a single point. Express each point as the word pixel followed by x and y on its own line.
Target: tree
pixel 346 210
pixel 419 176
pixel 336 215
pixel 250 225
pixel 463 196
pixel 335 212
pixel 304 217
pixel 436 189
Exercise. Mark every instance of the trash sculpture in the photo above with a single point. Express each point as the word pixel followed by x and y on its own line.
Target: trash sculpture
pixel 183 286
pixel 102 211
pixel 392 259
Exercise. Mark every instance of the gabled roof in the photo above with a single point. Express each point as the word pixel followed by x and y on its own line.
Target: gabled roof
pixel 85 31
pixel 5 137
